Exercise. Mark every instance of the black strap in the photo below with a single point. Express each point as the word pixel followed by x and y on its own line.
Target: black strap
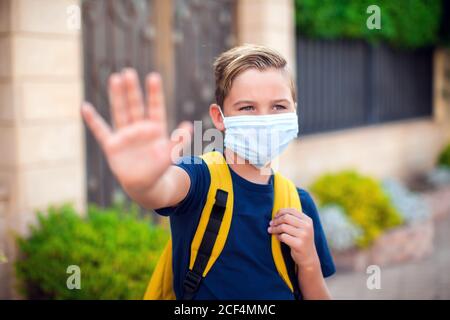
pixel 194 277
pixel 290 266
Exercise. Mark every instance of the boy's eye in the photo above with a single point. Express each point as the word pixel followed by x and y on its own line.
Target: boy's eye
pixel 246 108
pixel 279 107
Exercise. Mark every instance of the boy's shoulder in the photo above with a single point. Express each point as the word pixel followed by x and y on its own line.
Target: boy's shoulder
pixel 189 160
pixel 195 166
pixel 305 195
pixel 307 202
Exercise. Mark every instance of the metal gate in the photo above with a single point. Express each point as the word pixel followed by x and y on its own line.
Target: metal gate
pixel 348 83
pixel 178 38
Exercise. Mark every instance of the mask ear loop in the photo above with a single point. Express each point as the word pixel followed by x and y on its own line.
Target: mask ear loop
pixel 220 110
pixel 223 118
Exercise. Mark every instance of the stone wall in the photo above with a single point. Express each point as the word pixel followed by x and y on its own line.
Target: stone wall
pixel 41 137
pixel 270 23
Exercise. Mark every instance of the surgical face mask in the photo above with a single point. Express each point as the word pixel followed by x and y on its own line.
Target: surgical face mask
pixel 260 138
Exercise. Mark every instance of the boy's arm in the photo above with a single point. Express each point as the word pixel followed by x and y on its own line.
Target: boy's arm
pixel 311 282
pixel 168 191
pixel 138 149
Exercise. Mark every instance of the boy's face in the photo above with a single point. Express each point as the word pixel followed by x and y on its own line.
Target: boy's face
pixel 255 92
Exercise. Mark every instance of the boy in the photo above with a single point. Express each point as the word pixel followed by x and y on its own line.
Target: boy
pixel 254 90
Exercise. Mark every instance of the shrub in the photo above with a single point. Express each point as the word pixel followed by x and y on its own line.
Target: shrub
pixel 439 176
pixel 341 232
pixel 444 157
pixel 411 206
pixel 115 250
pixel 3 257
pixel 362 199
pixel 409 24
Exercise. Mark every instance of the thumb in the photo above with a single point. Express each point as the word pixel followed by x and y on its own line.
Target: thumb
pixel 99 128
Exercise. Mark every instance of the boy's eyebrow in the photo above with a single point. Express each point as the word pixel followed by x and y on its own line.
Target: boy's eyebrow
pixel 253 102
pixel 243 101
pixel 281 100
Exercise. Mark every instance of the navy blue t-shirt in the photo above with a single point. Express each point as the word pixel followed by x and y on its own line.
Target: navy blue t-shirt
pixel 245 269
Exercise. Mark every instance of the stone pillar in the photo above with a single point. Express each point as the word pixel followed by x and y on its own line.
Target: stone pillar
pixel 270 23
pixel 4 271
pixel 441 87
pixel 41 137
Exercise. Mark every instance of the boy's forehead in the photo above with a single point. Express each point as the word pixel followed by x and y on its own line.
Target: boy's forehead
pixel 260 85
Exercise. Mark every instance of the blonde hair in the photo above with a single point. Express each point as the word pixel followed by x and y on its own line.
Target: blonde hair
pixel 233 62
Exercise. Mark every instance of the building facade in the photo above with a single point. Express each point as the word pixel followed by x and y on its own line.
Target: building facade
pixel 42 139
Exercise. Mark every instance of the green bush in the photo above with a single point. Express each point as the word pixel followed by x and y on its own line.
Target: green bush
pixel 444 157
pixel 408 24
pixel 115 250
pixel 3 257
pixel 363 200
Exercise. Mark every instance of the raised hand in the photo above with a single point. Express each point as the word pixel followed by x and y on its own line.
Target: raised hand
pixel 138 149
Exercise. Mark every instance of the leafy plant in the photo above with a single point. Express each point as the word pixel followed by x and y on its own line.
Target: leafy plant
pixel 444 157
pixel 3 258
pixel 341 232
pixel 410 205
pixel 409 24
pixel 362 199
pixel 115 250
pixel 439 176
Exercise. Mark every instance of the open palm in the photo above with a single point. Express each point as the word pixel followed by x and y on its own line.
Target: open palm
pixel 139 150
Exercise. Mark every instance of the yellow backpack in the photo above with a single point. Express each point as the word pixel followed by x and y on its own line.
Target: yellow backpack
pixel 212 232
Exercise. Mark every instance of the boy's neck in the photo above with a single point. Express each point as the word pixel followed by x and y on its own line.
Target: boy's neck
pixel 244 169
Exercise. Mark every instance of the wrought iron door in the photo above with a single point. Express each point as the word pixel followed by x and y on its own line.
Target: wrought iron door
pixel 178 38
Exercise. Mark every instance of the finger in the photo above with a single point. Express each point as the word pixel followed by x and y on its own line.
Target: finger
pixel 285 228
pixel 288 219
pixel 283 213
pixel 117 101
pixel 133 95
pixel 288 239
pixel 155 100
pixel 293 212
pixel 180 140
pixel 98 126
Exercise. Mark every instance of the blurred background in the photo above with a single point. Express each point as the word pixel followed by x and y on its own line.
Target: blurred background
pixel 373 81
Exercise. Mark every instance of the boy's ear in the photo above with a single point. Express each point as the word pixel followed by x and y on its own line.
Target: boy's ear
pixel 216 116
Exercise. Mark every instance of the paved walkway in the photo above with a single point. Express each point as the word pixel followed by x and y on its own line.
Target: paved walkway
pixel 426 279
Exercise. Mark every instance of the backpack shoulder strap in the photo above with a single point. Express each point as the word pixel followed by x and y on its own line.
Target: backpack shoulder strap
pixel 285 196
pixel 214 224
